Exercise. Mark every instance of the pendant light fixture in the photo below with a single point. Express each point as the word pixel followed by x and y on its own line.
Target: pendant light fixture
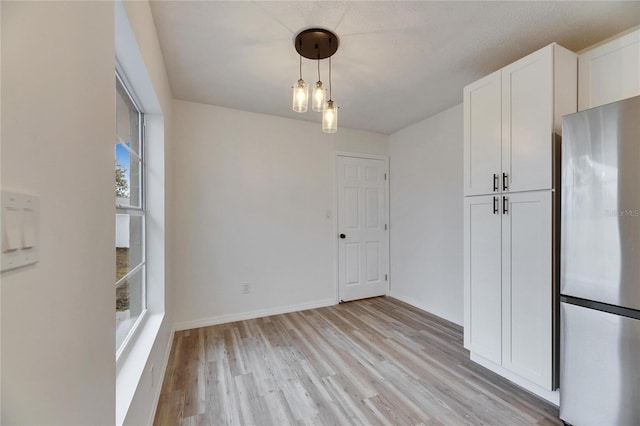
pixel 330 111
pixel 300 94
pixel 316 44
pixel 317 103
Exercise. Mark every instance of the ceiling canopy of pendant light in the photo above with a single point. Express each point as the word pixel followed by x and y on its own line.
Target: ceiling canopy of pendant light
pixel 316 43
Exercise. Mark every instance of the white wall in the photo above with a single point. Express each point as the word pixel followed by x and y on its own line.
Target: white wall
pixel 58 120
pixel 0 185
pixel 252 193
pixel 58 322
pixel 427 214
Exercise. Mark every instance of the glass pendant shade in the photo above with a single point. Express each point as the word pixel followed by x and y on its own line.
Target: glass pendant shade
pixel 317 103
pixel 330 117
pixel 300 96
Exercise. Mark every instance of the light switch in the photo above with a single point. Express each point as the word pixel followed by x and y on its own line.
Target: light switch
pixel 28 229
pixel 11 226
pixel 19 226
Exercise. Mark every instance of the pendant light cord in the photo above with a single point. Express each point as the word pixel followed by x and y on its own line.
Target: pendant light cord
pixel 318 65
pixel 300 56
pixel 330 97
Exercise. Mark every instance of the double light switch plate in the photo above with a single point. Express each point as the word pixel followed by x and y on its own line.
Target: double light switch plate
pixel 19 225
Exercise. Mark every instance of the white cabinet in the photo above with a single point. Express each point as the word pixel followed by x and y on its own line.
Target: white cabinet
pixel 609 72
pixel 482 135
pixel 510 117
pixel 527 284
pixel 508 278
pixel 482 276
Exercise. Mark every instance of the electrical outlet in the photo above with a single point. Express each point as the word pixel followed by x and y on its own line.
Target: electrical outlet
pixel 246 288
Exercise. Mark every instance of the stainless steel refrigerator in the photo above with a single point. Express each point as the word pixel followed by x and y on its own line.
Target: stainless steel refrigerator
pixel 600 266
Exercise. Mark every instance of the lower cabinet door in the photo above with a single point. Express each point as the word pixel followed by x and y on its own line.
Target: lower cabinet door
pixel 527 280
pixel 483 289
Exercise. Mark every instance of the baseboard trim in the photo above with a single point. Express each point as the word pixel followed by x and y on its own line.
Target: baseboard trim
pixel 222 319
pixel 156 398
pixel 415 303
pixel 551 396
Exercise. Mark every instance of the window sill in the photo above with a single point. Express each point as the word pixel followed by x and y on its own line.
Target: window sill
pixel 131 364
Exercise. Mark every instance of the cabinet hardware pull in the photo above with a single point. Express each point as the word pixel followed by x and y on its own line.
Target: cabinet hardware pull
pixel 495 205
pixel 505 205
pixel 495 182
pixel 505 181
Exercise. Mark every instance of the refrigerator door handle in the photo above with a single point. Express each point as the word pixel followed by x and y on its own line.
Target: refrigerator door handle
pixel 505 205
pixel 495 182
pixel 505 181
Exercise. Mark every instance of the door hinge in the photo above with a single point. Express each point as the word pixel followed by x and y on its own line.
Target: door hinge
pixel 385 226
pixel 385 176
pixel 386 277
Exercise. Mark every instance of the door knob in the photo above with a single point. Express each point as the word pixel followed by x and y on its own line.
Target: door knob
pixel 343 236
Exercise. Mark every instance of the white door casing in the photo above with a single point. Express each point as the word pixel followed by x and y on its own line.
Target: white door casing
pixel 363 250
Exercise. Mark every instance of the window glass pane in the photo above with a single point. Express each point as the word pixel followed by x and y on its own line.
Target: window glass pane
pixel 123 187
pixel 127 120
pixel 129 304
pixel 129 243
pixel 127 151
pixel 130 219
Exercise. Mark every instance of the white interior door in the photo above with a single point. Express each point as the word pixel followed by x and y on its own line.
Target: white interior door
pixel 362 235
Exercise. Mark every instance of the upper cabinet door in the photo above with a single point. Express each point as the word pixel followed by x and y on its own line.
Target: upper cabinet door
pixel 527 122
pixel 482 140
pixel 610 72
pixel 537 91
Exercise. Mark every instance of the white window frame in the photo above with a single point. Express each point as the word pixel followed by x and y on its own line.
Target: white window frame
pixel 135 211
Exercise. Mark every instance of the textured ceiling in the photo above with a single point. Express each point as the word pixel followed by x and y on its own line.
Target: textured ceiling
pixel 398 62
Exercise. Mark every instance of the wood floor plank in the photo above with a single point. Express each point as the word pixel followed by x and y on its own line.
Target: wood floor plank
pixel 371 362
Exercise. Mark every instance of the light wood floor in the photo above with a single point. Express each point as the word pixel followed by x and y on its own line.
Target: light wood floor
pixel 374 361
